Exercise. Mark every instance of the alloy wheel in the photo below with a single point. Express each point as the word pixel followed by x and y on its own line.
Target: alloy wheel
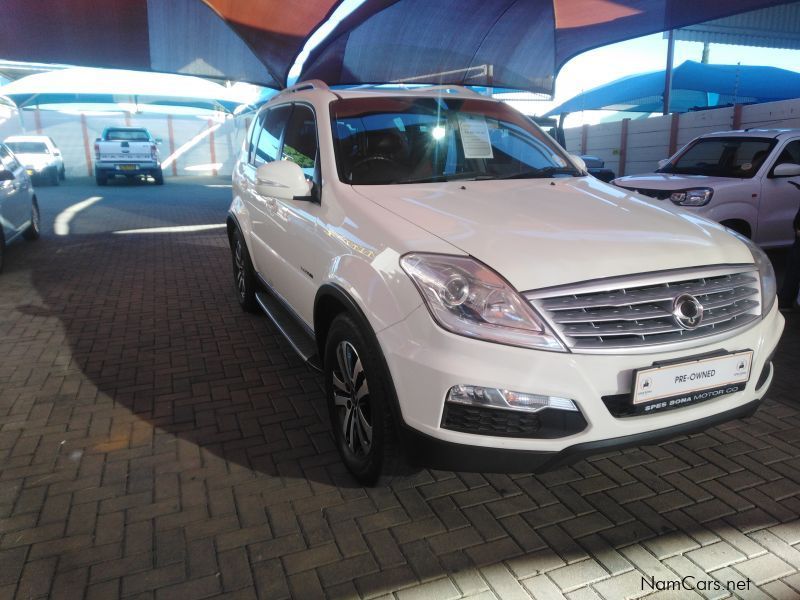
pixel 351 399
pixel 238 259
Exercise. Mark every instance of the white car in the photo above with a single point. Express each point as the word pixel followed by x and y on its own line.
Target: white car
pixel 19 209
pixel 746 180
pixel 474 297
pixel 40 156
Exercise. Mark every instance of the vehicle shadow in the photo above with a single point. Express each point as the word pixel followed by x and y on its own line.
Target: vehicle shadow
pixel 169 374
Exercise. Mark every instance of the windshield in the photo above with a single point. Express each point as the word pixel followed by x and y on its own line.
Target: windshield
pixel 28 147
pixel 388 140
pixel 722 157
pixel 127 135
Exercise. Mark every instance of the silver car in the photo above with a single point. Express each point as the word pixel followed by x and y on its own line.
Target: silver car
pixel 19 210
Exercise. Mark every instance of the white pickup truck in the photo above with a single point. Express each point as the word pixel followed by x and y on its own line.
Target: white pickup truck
pixel 126 152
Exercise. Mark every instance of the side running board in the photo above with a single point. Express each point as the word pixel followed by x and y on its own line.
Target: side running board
pixel 295 333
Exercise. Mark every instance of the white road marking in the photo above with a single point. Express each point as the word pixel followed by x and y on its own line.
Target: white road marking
pixel 175 229
pixel 61 226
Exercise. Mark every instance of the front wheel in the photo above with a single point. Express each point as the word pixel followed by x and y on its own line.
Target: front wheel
pixel 358 390
pixel 55 179
pixel 244 278
pixel 32 232
pixel 62 174
pixel 2 248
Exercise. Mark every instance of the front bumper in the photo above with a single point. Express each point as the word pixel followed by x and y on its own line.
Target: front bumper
pixel 425 362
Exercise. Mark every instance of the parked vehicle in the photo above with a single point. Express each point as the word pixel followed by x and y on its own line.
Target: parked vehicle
pixel 40 156
pixel 19 209
pixel 474 298
pixel 747 180
pixel 126 152
pixel 597 167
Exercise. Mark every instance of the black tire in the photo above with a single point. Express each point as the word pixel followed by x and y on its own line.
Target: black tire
pixel 244 278
pixel 32 232
pixel 100 178
pixel 2 248
pixel 158 176
pixel 53 176
pixel 359 402
pixel 62 174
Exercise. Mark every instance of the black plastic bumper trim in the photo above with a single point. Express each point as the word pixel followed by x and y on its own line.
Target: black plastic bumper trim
pixel 424 450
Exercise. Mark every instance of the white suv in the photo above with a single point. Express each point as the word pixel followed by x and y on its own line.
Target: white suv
pixel 473 297
pixel 746 180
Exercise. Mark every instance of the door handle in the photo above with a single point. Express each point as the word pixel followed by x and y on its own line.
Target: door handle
pixel 272 204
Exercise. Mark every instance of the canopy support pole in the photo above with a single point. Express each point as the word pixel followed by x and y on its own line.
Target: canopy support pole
pixel 668 71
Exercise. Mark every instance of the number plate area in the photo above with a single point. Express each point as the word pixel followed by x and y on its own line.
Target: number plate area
pixel 669 386
pixel 127 167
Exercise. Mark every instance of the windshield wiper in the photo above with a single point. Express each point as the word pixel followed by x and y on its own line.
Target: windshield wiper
pixel 434 178
pixel 542 173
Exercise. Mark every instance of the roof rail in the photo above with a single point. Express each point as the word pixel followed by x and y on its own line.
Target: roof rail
pixel 302 86
pixel 452 87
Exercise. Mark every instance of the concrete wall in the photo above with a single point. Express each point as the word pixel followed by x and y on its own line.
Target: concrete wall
pixel 648 140
pixel 207 144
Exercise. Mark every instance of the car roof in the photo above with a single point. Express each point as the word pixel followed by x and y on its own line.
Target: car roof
pixel 28 138
pixel 316 90
pixel 756 133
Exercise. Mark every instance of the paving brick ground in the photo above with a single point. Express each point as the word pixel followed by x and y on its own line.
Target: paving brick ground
pixel 156 442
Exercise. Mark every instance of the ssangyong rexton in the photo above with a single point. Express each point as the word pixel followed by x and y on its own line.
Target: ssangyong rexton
pixel 474 297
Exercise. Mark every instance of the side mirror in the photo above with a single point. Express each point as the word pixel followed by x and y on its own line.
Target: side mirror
pixel 158 140
pixel 57 152
pixel 284 180
pixel 786 170
pixel 663 163
pixel 6 175
pixel 578 162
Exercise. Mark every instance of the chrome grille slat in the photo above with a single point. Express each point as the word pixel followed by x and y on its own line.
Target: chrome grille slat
pixel 637 312
pixel 661 293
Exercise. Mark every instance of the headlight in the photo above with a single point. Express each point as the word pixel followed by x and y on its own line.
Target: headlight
pixel 467 298
pixel 696 197
pixel 766 273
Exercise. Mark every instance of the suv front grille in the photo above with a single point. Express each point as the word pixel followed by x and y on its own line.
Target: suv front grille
pixel 640 313
pixel 658 194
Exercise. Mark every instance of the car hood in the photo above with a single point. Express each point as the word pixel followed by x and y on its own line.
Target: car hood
pixel 545 232
pixel 665 181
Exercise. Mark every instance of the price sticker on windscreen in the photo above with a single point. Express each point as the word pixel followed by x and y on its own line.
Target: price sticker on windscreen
pixel 475 136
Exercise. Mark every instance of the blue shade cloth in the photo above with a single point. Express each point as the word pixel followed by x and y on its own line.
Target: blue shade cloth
pixel 694 85
pixel 519 44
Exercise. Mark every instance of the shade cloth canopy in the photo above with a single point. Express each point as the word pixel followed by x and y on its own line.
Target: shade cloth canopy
pixel 694 85
pixel 110 86
pixel 518 44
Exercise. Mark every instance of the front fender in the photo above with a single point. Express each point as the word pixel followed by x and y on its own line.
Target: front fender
pixel 379 287
pixel 730 211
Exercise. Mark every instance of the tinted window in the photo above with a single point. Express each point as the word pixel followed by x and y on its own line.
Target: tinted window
pixel 790 154
pixel 269 139
pixel 28 147
pixel 300 142
pixel 722 157
pixel 411 140
pixel 8 160
pixel 127 135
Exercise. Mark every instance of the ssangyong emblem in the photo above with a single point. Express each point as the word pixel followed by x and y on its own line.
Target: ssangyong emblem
pixel 688 311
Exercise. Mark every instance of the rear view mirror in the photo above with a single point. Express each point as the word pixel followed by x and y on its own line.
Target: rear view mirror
pixel 786 170
pixel 284 180
pixel 6 175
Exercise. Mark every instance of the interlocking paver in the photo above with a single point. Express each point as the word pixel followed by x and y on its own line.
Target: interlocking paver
pixel 157 442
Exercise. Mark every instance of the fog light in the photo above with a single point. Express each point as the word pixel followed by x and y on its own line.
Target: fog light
pixel 505 399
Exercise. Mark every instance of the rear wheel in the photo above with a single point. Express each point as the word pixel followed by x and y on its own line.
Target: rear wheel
pixel 32 232
pixel 100 178
pixel 358 391
pixel 244 278
pixel 158 176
